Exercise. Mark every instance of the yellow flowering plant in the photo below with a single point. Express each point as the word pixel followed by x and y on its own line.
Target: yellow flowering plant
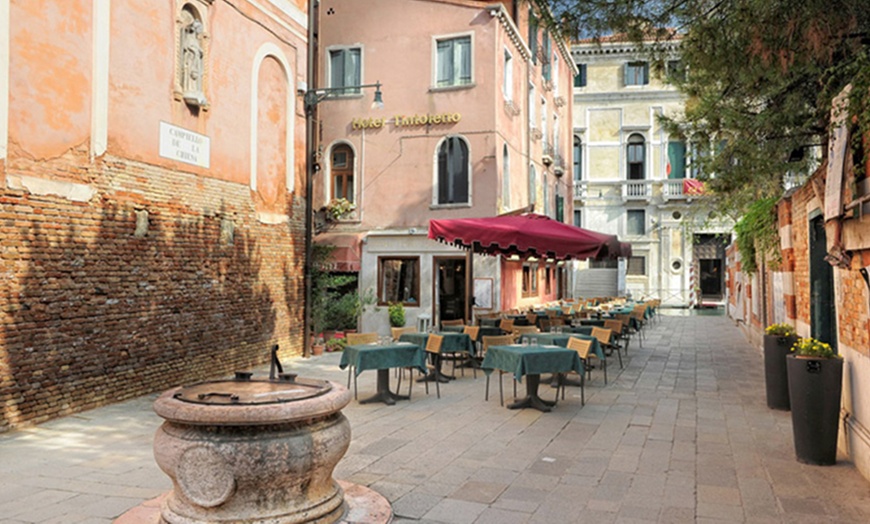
pixel 810 347
pixel 779 330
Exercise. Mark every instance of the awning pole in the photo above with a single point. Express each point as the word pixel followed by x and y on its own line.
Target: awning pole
pixel 469 283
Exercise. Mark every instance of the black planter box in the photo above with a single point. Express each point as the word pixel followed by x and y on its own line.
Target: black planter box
pixel 815 387
pixel 776 348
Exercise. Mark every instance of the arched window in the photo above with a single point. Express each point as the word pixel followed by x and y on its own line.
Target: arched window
pixel 506 177
pixel 636 152
pixel 453 171
pixel 533 183
pixel 341 169
pixel 578 159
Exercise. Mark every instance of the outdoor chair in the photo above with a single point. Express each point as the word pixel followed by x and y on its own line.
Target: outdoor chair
pixel 433 348
pixel 500 340
pixel 354 339
pixel 519 331
pixel 455 322
pixel 582 347
pixel 603 335
pixel 532 318
pixel 619 333
pixel 462 356
pixel 398 332
pixel 506 325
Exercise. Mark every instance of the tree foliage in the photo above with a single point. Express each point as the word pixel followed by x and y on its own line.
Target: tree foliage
pixel 761 77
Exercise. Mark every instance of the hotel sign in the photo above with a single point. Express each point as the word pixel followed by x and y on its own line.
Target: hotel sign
pixel 177 143
pixel 406 121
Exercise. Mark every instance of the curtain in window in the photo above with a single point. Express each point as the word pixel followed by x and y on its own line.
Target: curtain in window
pixel 344 66
pixel 635 155
pixel 635 222
pixel 453 171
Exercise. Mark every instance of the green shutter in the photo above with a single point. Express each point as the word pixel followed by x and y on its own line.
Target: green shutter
pixel 677 159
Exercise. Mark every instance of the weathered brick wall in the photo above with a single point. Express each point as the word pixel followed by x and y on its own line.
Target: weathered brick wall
pixel 801 252
pixel 852 318
pixel 92 314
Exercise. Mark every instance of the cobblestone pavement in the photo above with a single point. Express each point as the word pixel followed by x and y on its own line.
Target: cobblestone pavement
pixel 681 434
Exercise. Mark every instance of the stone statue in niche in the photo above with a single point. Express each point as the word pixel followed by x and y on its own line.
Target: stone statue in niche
pixel 192 63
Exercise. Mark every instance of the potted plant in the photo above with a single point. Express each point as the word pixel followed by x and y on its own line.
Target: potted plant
pixel 336 344
pixel 317 347
pixel 396 312
pixel 815 381
pixel 778 341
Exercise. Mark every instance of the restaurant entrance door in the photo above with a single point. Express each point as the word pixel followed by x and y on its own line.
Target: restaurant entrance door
pixel 450 287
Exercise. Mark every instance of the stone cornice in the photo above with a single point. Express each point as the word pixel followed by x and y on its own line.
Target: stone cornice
pixel 498 11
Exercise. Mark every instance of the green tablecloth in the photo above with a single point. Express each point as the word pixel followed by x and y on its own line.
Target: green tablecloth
pixel 561 339
pixel 452 329
pixel 373 356
pixel 531 360
pixel 489 322
pixel 452 343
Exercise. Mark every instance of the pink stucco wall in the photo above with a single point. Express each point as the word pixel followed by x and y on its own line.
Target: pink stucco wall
pixel 50 53
pixel 396 166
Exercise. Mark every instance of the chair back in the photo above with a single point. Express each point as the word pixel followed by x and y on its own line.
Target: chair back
pixel 638 314
pixel 472 331
pixel 531 318
pixel 361 338
pixel 614 325
pixel 581 346
pixel 602 334
pixel 558 321
pixel 552 313
pixel 454 322
pixel 545 324
pixel 567 310
pixel 398 332
pixel 525 330
pixel 506 324
pixel 433 343
pixel 496 340
pixel 623 317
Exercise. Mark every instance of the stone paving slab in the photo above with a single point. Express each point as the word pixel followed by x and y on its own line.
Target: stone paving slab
pixel 681 434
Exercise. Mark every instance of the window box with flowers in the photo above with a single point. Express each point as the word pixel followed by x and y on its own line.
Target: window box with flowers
pixel 778 341
pixel 338 209
pixel 815 383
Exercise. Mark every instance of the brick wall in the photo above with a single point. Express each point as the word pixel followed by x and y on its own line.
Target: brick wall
pixel 91 314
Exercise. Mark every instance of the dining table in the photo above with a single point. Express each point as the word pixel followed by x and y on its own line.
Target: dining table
pixel 530 362
pixel 383 357
pixel 452 343
pixel 561 339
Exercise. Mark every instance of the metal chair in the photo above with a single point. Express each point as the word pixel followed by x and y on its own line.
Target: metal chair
pixel 499 340
pixel 354 339
pixel 433 348
pixel 582 347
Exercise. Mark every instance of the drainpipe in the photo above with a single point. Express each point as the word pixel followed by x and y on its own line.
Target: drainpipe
pixel 310 168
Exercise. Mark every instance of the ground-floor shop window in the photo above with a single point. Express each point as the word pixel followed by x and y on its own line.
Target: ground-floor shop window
pixel 399 280
pixel 636 266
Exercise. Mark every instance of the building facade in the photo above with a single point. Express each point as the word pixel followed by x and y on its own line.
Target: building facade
pixel 151 184
pixel 476 122
pixel 633 180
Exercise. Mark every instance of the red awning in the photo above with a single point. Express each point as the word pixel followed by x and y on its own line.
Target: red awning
pixel 527 235
pixel 346 255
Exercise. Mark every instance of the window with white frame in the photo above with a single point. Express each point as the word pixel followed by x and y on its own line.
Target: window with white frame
pixel 508 87
pixel 635 155
pixel 544 131
pixel 556 72
pixel 399 280
pixel 636 266
pixel 341 168
pixel 453 61
pixel 636 74
pixel 533 103
pixel 453 171
pixel 635 222
pixel 580 77
pixel 546 196
pixel 533 35
pixel 546 65
pixel 345 69
pixel 506 177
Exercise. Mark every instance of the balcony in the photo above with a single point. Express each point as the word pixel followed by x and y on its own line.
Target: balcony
pixel 558 165
pixel 673 190
pixel 637 189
